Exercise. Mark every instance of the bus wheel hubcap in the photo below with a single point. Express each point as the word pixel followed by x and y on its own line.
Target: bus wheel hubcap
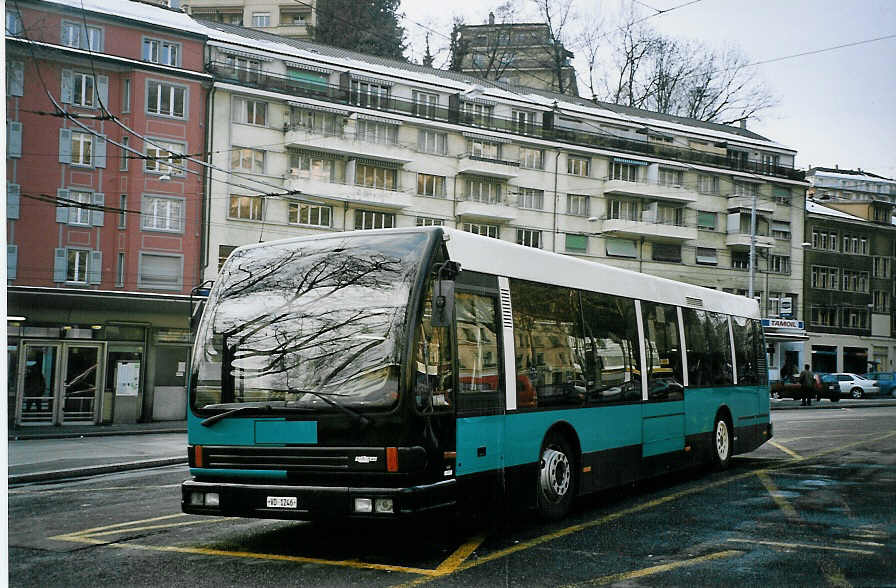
pixel 722 439
pixel 555 474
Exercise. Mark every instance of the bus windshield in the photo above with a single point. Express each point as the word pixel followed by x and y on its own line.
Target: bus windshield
pixel 307 324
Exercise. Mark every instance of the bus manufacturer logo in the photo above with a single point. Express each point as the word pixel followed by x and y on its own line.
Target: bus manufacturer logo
pixel 365 458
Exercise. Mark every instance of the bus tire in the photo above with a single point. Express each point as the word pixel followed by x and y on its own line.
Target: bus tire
pixel 557 477
pixel 721 442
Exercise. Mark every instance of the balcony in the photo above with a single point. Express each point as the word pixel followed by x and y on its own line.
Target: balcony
pixel 495 210
pixel 652 231
pixel 484 166
pixel 745 203
pixel 391 199
pixel 740 241
pixel 301 138
pixel 649 190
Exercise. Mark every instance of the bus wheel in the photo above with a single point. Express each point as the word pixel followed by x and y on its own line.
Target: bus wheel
pixel 721 443
pixel 556 478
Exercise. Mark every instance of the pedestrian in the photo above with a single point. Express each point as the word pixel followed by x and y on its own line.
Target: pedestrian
pixel 807 385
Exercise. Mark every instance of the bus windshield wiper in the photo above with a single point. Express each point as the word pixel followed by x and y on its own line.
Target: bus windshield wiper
pixel 250 408
pixel 364 420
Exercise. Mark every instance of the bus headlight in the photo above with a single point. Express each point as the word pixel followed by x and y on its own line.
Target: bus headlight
pixel 212 499
pixel 197 499
pixel 384 505
pixel 363 505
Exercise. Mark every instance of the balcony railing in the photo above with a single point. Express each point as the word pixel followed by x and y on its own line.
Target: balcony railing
pixel 342 95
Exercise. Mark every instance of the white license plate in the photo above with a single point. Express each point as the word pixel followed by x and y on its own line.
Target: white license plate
pixel 283 502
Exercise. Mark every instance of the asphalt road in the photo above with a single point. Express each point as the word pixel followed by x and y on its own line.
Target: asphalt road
pixel 813 507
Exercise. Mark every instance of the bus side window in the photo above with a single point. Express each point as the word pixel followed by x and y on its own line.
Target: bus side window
pixel 709 348
pixel 663 362
pixel 479 374
pixel 745 351
pixel 432 358
pixel 550 349
pixel 612 352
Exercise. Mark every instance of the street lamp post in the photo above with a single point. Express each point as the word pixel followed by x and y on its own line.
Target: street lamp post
pixel 753 240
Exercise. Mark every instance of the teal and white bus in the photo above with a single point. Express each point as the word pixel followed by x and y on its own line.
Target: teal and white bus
pixel 392 372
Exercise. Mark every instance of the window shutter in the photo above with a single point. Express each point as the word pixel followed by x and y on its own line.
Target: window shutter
pixel 16 79
pixel 62 209
pixel 14 139
pixel 96 216
pixel 67 94
pixel 60 264
pixel 12 260
pixel 95 267
pixel 65 146
pixel 12 200
pixel 99 151
pixel 102 91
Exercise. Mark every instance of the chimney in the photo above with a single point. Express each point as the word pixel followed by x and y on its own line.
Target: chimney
pixel 743 123
pixel 491 18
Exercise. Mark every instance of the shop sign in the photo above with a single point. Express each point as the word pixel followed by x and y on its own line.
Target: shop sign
pixel 776 323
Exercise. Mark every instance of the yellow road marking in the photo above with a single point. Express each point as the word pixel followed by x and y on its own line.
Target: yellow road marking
pixel 776 495
pixel 150 527
pixel 802 546
pixel 119 525
pixel 789 452
pixel 85 490
pixel 834 574
pixel 603 580
pixel 459 555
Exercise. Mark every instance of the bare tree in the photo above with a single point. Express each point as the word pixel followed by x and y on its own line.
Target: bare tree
pixel 557 15
pixel 634 44
pixel 589 41
pixel 491 60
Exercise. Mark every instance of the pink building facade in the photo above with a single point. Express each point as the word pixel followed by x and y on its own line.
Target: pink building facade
pixel 103 243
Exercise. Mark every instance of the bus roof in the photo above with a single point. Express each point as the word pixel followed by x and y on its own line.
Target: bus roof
pixel 503 258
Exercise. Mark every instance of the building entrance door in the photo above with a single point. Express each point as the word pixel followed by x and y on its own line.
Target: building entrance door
pixel 60 384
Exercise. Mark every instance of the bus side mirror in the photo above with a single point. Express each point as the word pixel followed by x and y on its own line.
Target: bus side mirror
pixel 443 303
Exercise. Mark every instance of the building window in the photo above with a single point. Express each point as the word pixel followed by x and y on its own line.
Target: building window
pixel 740 260
pixel 621 248
pixel 781 195
pixel 577 204
pixel 524 121
pixel 671 177
pixel 624 171
pixel 316 166
pixel 82 149
pixel 162 52
pixel 670 215
pixel 247 159
pixel 77 266
pixel 531 158
pixel 125 154
pixel 746 189
pixel 245 70
pixel 371 219
pixel 708 184
pixel 122 212
pixel 249 112
pixel 430 185
pixel 483 190
pixel 432 142
pixel 485 149
pixel 160 272
pixel 79 215
pixel 576 243
pixel 369 94
pixel 162 213
pixel 83 92
pixel 425 104
pixel 531 198
pixel 880 267
pixel 881 301
pixel 376 132
pixel 224 252
pixel 624 209
pixel 324 123
pixel 162 156
pixel 666 252
pixel 781 230
pixel 246 207
pixel 529 238
pixel 374 176
pixel 825 278
pixel 706 220
pixel 426 221
pixel 481 229
pixel 126 95
pixel 77 36
pixel 824 240
pixel 165 99
pixel 578 166
pixel 13 23
pixel 313 215
pixel 478 115
pixel 120 270
pixel 855 281
pixel 261 19
pixel 707 256
pixel 823 316
pixel 779 264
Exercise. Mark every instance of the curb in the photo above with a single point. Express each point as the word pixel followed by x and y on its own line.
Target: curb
pixel 832 406
pixel 93 470
pixel 78 434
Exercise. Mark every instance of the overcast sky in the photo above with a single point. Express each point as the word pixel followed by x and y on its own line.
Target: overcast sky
pixel 836 107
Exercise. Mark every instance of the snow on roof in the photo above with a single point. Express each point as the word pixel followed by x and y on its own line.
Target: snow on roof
pixel 145 13
pixel 851 176
pixel 813 207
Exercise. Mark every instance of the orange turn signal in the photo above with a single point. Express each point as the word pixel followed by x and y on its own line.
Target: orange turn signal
pixel 392 459
pixel 197 456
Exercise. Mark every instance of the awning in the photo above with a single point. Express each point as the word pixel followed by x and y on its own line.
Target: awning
pixel 629 161
pixel 621 247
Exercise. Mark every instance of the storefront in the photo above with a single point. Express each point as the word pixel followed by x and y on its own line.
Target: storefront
pixel 785 341
pixel 96 357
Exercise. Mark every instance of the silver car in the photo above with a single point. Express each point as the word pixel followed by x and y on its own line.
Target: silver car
pixel 856 386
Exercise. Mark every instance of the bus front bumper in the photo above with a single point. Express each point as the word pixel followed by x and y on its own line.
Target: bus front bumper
pixel 283 501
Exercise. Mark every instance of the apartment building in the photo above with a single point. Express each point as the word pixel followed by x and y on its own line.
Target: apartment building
pixel 102 221
pixel 520 54
pixel 288 18
pixel 340 141
pixel 849 279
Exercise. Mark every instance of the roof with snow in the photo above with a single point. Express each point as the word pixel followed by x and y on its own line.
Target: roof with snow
pixel 813 207
pixel 848 174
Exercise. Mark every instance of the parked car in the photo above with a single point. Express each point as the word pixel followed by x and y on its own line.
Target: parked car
pixel 829 388
pixel 886 381
pixel 790 388
pixel 856 386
